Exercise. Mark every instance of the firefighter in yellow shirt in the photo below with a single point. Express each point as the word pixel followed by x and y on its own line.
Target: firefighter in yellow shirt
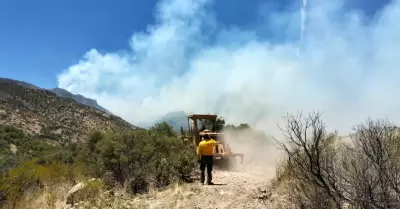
pixel 205 156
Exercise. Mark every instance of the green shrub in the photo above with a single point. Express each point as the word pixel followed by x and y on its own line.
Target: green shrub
pixel 29 147
pixel 18 181
pixel 30 177
pixel 163 129
pixel 139 158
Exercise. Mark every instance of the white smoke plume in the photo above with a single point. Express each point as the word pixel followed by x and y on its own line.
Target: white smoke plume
pixel 303 18
pixel 348 67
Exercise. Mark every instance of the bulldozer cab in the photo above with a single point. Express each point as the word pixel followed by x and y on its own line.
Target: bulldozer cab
pixel 200 124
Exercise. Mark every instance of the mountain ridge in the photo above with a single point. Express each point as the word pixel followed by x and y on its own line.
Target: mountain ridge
pixel 79 98
pixel 175 119
pixel 61 93
pixel 41 112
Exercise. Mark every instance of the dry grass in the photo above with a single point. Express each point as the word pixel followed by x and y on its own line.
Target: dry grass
pixel 50 198
pixel 237 190
pixel 54 198
pixel 176 196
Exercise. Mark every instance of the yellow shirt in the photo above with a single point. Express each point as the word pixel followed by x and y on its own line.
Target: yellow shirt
pixel 206 147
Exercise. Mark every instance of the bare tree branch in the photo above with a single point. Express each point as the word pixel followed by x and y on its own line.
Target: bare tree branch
pixel 364 173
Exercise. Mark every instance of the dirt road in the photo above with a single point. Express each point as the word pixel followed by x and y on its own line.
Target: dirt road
pixel 232 189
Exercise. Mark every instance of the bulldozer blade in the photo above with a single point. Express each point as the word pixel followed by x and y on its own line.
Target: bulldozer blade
pixel 241 157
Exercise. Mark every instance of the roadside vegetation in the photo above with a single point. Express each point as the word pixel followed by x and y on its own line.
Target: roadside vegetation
pixel 320 169
pixel 133 161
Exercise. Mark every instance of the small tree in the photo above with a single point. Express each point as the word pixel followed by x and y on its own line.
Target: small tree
pixel 163 128
pixel 323 172
pixel 219 124
pixel 311 158
pixel 374 171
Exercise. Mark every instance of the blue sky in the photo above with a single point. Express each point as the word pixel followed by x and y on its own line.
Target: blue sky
pixel 38 39
pixel 143 59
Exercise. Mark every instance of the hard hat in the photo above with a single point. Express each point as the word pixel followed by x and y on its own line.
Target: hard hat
pixel 206 131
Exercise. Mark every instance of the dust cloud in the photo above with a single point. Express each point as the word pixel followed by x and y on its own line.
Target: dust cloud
pixel 261 153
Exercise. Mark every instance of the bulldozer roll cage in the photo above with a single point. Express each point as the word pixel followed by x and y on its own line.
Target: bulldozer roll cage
pixel 223 152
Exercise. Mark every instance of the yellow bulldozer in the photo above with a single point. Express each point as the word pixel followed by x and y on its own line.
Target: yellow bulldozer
pixel 198 125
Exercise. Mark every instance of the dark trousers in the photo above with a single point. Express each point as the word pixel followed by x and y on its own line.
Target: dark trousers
pixel 206 162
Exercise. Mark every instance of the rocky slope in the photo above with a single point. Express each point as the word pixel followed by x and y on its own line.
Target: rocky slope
pixel 79 98
pixel 42 112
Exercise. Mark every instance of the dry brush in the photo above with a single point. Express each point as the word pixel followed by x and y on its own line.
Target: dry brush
pixel 321 170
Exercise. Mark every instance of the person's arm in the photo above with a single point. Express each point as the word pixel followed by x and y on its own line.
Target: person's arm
pixel 215 144
pixel 198 152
